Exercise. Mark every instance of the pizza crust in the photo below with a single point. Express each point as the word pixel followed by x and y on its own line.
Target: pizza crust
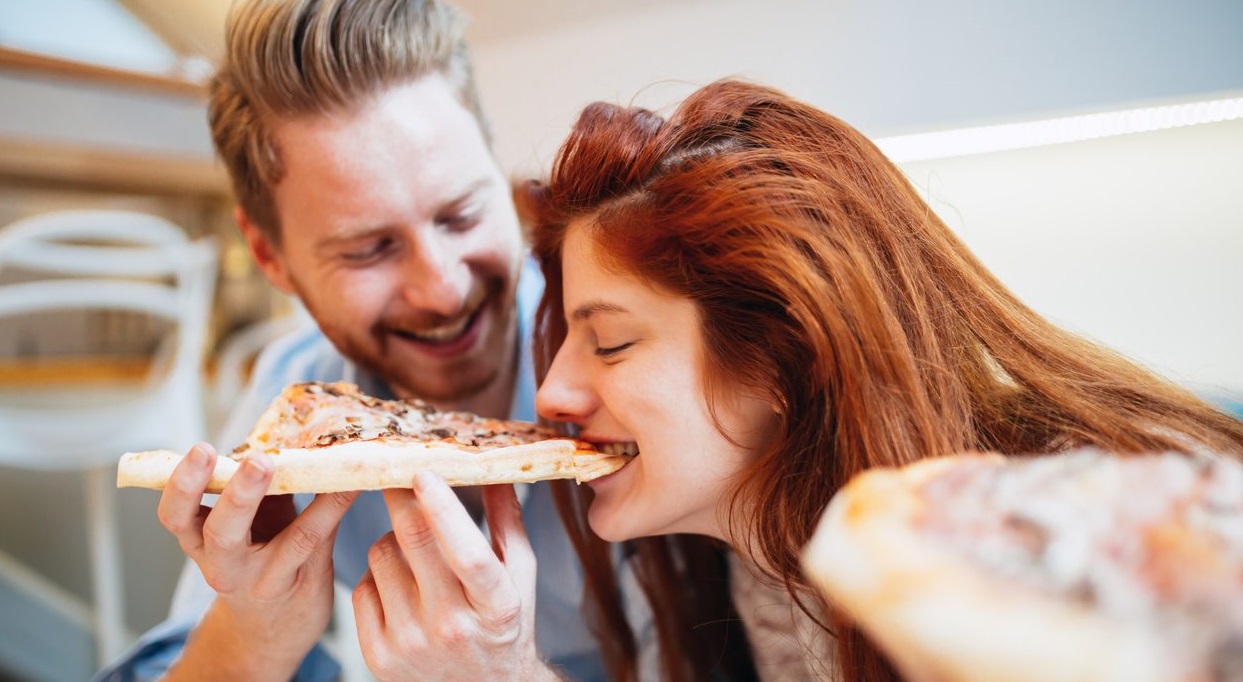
pixel 374 465
pixel 940 619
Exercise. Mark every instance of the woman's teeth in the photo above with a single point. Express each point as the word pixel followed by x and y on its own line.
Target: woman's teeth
pixel 631 449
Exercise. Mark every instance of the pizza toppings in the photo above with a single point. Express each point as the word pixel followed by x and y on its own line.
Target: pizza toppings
pixel 326 437
pixel 1084 565
pixel 316 414
pixel 1149 536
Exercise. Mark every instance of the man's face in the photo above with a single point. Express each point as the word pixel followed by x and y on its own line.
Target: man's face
pixel 399 235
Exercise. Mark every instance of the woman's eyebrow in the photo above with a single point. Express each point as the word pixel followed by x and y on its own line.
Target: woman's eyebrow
pixel 590 308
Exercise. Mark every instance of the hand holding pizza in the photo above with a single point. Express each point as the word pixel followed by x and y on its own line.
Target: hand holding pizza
pixel 441 602
pixel 270 567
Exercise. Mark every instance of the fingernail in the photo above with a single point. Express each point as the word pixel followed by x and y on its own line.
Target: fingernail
pixel 198 456
pixel 422 480
pixel 256 468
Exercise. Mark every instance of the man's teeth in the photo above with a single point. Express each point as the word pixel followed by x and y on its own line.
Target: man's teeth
pixel 446 333
pixel 630 449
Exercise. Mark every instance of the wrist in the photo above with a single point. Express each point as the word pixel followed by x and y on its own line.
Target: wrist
pixel 223 647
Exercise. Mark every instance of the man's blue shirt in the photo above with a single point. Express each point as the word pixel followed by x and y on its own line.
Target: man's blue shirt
pixel 561 633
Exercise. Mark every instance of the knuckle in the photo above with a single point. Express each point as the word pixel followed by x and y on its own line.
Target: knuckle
pixel 378 658
pixel 171 523
pixel 239 498
pixel 341 500
pixel 185 483
pixel 216 579
pixel 179 524
pixel 305 539
pixel 410 642
pixel 504 618
pixel 454 632
pixel 189 547
pixel 384 551
pixel 442 509
pixel 221 541
pixel 416 535
pixel 476 564
pixel 478 568
pixel 364 593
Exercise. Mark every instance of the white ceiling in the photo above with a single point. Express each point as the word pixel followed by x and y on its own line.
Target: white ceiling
pixel 495 20
pixel 888 66
pixel 147 35
pixel 94 31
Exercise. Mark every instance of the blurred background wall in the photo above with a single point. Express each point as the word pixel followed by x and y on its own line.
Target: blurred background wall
pixel 1134 240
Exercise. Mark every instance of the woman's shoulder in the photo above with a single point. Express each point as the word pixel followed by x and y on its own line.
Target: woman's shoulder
pixel 787 643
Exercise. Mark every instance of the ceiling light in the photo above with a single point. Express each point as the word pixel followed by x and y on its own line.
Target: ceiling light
pixel 994 138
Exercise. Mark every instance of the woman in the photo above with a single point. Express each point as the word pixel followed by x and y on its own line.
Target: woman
pixel 755 300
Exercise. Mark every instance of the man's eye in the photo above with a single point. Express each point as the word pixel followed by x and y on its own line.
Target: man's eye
pixel 369 252
pixel 612 350
pixel 460 222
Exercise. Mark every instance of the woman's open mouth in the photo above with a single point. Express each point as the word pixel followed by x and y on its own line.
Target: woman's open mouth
pixel 630 449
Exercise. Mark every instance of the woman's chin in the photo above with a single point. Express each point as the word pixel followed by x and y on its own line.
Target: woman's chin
pixel 604 523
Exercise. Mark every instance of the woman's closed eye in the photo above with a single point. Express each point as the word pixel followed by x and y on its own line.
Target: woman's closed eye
pixel 613 350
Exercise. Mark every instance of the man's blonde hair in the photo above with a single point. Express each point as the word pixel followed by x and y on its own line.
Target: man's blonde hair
pixel 291 58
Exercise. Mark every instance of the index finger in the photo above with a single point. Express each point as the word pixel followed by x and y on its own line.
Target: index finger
pixel 465 549
pixel 227 528
pixel 181 502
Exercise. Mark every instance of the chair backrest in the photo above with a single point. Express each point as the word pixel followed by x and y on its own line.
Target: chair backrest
pixel 236 354
pixel 110 260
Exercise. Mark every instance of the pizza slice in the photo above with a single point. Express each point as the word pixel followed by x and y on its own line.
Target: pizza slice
pixel 1082 567
pixel 330 437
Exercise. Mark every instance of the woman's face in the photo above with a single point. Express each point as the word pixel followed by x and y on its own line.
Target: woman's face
pixel 630 375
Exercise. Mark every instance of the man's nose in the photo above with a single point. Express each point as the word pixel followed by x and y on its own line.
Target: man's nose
pixel 436 278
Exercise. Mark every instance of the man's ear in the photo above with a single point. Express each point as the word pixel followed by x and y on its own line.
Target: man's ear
pixel 266 253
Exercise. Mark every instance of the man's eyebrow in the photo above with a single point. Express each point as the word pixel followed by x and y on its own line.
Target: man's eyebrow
pixel 355 233
pixel 350 235
pixel 469 191
pixel 590 308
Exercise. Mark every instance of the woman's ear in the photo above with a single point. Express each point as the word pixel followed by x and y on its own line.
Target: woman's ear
pixel 778 404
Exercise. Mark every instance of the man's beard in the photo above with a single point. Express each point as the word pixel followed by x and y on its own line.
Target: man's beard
pixel 463 387
pixel 453 380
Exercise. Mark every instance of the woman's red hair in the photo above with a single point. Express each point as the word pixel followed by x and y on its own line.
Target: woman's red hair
pixel 825 282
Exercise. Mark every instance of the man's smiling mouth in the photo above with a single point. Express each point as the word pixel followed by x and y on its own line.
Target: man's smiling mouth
pixel 446 333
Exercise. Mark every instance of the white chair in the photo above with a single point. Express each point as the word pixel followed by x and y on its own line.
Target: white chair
pixel 233 359
pixel 108 261
pixel 235 356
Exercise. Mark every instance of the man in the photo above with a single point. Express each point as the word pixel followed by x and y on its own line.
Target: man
pixel 360 161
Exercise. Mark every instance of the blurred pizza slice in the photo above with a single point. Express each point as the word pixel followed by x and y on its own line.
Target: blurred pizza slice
pixel 1082 566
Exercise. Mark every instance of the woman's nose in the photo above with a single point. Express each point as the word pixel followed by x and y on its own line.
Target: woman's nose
pixel 564 396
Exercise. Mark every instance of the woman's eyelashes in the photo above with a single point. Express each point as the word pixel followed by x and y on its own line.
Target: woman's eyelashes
pixel 611 351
